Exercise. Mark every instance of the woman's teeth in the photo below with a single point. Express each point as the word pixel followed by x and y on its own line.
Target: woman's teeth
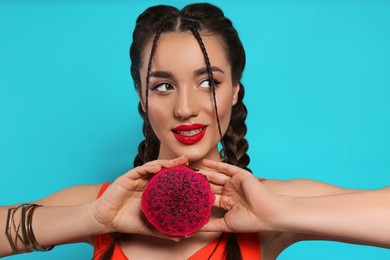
pixel 190 133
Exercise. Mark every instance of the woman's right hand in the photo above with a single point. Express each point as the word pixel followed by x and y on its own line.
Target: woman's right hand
pixel 119 208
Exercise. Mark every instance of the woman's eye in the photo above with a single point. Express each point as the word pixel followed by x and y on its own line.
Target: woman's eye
pixel 163 87
pixel 205 84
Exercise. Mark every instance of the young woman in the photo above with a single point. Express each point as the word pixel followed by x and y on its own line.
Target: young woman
pixel 187 66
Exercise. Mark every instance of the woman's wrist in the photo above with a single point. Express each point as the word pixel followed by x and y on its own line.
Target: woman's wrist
pixel 32 227
pixel 59 225
pixel 279 215
pixel 95 225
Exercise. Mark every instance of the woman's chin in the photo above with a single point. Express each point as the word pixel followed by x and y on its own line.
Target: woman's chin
pixel 194 155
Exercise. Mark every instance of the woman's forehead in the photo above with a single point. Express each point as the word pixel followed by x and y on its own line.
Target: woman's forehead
pixel 175 48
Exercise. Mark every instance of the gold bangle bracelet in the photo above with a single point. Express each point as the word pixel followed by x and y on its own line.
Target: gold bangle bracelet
pixel 8 229
pixel 31 235
pixel 26 237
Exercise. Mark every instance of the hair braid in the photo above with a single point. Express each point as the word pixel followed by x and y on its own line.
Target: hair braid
pixel 234 139
pixel 148 148
pixel 212 83
pixel 233 154
pixel 149 25
pixel 234 144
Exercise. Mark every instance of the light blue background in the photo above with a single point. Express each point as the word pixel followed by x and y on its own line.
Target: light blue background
pixel 317 89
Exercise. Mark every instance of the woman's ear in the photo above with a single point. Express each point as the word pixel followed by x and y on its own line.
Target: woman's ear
pixel 236 89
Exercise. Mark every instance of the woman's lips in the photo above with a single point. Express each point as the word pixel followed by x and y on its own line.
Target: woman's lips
pixel 189 134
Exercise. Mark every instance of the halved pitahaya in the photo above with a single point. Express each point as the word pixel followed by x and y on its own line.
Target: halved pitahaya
pixel 177 201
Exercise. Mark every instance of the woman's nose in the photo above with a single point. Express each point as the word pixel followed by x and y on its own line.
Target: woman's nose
pixel 186 104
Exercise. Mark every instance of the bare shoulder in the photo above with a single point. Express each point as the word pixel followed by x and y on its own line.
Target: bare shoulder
pixel 73 195
pixel 303 188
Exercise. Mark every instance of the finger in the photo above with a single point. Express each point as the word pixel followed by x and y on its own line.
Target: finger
pixel 215 177
pixel 215 225
pixel 155 166
pixel 182 160
pixel 216 189
pixel 217 201
pixel 226 168
pixel 142 171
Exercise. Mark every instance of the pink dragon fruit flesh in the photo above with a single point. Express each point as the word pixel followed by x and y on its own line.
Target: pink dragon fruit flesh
pixel 177 201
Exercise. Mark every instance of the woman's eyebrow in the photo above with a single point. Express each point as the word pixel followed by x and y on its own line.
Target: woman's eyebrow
pixel 169 75
pixel 202 71
pixel 161 74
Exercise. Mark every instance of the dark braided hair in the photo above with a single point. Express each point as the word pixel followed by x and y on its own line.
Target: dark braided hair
pixel 212 82
pixel 199 19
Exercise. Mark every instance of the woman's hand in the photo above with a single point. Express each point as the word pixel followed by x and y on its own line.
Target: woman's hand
pixel 248 204
pixel 119 208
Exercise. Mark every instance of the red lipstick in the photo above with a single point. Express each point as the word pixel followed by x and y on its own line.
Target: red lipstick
pixel 189 134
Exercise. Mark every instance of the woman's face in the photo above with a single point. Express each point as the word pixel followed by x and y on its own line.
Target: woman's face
pixel 181 106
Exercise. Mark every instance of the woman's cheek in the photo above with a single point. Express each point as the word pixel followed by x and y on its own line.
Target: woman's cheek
pixel 224 109
pixel 159 114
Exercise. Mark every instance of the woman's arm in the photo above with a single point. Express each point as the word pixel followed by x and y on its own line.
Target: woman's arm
pixel 65 219
pixel 52 226
pixel 307 209
pixel 304 189
pixel 66 209
pixel 359 217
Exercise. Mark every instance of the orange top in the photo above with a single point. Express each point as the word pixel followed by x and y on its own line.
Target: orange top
pixel 249 244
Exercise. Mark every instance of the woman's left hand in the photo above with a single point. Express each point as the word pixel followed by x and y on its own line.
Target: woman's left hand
pixel 355 216
pixel 248 204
